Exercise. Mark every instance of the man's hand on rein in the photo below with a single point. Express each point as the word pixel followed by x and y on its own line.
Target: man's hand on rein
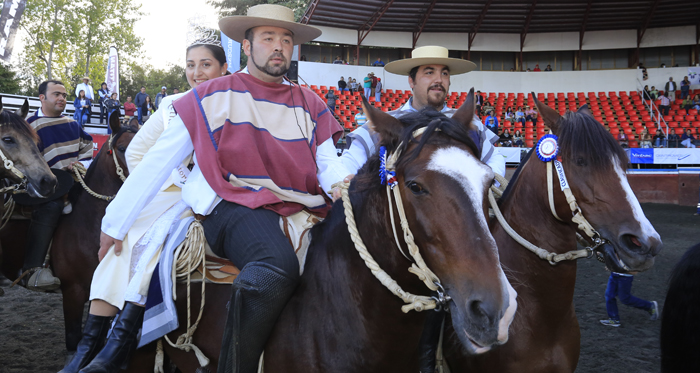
pixel 336 191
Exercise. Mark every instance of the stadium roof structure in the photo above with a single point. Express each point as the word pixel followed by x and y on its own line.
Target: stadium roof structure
pixel 500 16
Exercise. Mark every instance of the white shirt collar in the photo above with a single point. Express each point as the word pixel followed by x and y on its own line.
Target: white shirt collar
pixel 408 106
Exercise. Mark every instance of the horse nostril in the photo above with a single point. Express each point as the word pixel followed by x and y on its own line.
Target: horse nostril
pixel 635 241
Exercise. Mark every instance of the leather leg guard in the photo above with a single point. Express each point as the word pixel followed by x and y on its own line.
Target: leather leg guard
pixel 120 344
pixel 260 293
pixel 94 335
pixel 43 224
pixel 428 345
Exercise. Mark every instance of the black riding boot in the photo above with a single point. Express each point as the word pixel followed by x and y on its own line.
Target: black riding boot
pixel 94 334
pixel 260 292
pixel 121 342
pixel 43 224
pixel 428 345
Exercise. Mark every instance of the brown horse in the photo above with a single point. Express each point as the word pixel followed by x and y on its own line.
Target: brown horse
pixel 341 319
pixel 18 143
pixel 76 241
pixel 545 336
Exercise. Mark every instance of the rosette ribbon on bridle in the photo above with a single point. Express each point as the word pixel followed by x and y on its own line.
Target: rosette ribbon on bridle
pixel 387 176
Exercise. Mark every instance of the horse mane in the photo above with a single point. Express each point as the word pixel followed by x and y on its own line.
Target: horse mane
pixel 515 177
pixel 581 135
pixel 17 123
pixel 368 176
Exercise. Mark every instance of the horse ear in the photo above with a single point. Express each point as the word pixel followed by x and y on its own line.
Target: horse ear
pixel 550 116
pixel 388 127
pixel 24 110
pixel 114 122
pixel 465 114
pixel 585 110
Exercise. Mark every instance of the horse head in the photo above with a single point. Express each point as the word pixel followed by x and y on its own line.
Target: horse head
pixel 18 143
pixel 118 142
pixel 443 185
pixel 595 165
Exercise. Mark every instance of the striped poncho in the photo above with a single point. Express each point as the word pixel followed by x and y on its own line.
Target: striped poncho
pixel 62 140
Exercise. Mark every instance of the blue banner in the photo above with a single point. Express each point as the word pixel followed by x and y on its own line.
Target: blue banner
pixel 645 155
pixel 233 53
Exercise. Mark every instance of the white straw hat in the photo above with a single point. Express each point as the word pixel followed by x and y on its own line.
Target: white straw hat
pixel 430 55
pixel 267 15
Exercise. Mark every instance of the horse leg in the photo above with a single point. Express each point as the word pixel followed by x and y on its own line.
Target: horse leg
pixel 74 298
pixel 143 360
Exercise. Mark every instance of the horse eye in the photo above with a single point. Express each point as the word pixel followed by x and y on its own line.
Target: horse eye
pixel 8 140
pixel 581 162
pixel 416 188
pixel 121 148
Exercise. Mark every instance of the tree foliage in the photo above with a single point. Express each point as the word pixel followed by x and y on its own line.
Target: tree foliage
pixel 9 83
pixel 240 7
pixel 153 79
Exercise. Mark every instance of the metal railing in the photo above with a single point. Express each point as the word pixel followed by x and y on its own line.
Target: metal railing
pixel 652 109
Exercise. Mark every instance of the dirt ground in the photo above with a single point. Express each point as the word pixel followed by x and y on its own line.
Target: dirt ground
pixel 31 324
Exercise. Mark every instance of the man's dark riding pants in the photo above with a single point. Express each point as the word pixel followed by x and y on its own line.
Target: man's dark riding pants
pixel 253 240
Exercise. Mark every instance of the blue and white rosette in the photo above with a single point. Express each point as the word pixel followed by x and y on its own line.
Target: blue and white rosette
pixel 547 148
pixel 386 176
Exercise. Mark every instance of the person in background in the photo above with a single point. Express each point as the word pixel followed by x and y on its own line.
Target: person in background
pixel 670 90
pixel 342 85
pixel 687 103
pixel 353 85
pixel 479 101
pixel 622 139
pixel 510 115
pixel 646 93
pixel 159 97
pixel 506 139
pixel 112 104
pixel 367 85
pixel 673 139
pixel 491 122
pixel 378 62
pixel 330 100
pixel 548 68
pixel 373 86
pixel 685 87
pixel 486 108
pixel 620 286
pixel 530 114
pixel 176 91
pixel 378 90
pixel 85 86
pixel 664 104
pixel 147 108
pixel 696 102
pixel 520 115
pixel 139 100
pixel 338 61
pixel 518 139
pixel 82 106
pixel 654 93
pixel 537 67
pixel 103 94
pixel 349 84
pixel 360 117
pixel 645 139
pixel 659 139
pixel 129 107
pixel 688 139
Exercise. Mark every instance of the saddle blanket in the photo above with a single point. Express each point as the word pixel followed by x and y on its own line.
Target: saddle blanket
pixel 160 317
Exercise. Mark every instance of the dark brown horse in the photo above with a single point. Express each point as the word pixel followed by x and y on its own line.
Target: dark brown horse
pixel 76 241
pixel 545 335
pixel 341 319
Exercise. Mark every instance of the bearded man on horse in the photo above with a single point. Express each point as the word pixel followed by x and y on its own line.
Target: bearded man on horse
pixel 429 70
pixel 63 142
pixel 264 148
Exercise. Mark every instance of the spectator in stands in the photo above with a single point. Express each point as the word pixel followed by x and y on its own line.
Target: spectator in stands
pixel 112 104
pixel 338 61
pixel 479 101
pixel 688 140
pixel 147 108
pixel 645 139
pixel 528 70
pixel 654 93
pixel 548 68
pixel 518 139
pixel 673 139
pixel 103 95
pixel 506 139
pixel 176 91
pixel 685 88
pixel 330 100
pixel 663 66
pixel 645 75
pixel 139 100
pixel 646 93
pixel 378 90
pixel 82 106
pixel 537 67
pixel 367 85
pixel 378 62
pixel 374 84
pixel 486 108
pixel 696 102
pixel 85 86
pixel 129 107
pixel 349 84
pixel 623 140
pixel 659 139
pixel 342 85
pixel 687 103
pixel 510 115
pixel 530 114
pixel 302 58
pixel 671 88
pixel 62 143
pixel 664 104
pixel 491 122
pixel 520 115
pixel 353 85
pixel 160 96
pixel 360 117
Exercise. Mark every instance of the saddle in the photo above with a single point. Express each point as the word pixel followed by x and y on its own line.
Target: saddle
pixel 222 271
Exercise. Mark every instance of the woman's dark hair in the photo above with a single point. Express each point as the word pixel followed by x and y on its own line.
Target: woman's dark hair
pixel 103 83
pixel 83 92
pixel 216 51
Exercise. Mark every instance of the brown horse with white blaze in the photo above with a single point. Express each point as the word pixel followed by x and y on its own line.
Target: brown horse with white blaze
pixel 341 318
pixel 545 335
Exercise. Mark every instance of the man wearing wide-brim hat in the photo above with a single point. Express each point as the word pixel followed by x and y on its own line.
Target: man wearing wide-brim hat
pixel 85 86
pixel 244 125
pixel 429 70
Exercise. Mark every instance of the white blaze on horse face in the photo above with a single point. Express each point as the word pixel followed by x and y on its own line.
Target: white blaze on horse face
pixel 470 173
pixel 646 227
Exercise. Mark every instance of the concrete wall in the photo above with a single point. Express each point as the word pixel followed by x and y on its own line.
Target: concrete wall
pixel 495 81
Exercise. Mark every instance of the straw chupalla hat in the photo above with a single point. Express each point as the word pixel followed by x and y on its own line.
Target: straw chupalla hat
pixel 267 15
pixel 430 55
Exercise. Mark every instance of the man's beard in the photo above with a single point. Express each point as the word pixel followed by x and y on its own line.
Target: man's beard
pixel 270 70
pixel 439 102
